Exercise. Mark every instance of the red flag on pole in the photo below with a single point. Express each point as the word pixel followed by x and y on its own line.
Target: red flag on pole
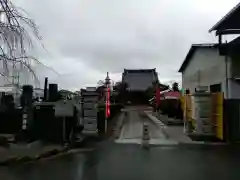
pixel 108 103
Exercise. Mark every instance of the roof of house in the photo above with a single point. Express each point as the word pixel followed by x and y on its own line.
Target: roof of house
pixel 229 21
pixel 139 70
pixel 191 52
pixel 139 79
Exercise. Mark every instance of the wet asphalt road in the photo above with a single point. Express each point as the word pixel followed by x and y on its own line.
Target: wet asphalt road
pixel 123 161
pixel 112 161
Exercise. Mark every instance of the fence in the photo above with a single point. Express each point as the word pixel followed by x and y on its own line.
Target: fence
pixel 46 126
pixel 10 121
pixel 217 111
pixel 217 114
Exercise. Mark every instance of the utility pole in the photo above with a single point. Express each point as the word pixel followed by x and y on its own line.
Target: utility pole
pixel 226 73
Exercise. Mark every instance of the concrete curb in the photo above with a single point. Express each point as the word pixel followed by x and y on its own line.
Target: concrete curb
pixel 203 144
pixel 120 125
pixel 73 151
pixel 168 121
pixel 158 123
pixel 192 143
pixel 60 154
pixel 25 159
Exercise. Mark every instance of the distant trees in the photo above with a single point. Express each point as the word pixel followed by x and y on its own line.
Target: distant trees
pixel 101 89
pixel 101 83
pixel 120 86
pixel 175 86
pixel 118 93
pixel 162 87
pixel 120 89
pixel 152 89
pixel 150 92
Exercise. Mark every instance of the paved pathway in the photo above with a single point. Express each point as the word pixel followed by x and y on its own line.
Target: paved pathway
pixel 132 130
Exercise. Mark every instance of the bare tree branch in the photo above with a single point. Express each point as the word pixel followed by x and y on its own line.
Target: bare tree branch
pixel 16 34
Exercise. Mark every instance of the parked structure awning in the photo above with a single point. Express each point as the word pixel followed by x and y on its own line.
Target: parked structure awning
pixel 229 24
pixel 231 48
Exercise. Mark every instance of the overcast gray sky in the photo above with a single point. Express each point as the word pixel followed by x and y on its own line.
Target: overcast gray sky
pixel 87 38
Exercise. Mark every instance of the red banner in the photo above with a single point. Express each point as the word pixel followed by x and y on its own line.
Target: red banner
pixel 108 102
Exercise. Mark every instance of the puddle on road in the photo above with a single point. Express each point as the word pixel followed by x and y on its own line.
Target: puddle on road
pixel 167 147
pixel 162 142
pixel 129 141
pixel 154 142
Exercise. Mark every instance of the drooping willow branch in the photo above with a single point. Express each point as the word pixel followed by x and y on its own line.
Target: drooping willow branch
pixel 16 34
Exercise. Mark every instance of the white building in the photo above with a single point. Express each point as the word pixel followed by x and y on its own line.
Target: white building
pixel 203 66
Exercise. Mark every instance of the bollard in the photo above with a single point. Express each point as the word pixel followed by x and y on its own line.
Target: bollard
pixel 146 136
